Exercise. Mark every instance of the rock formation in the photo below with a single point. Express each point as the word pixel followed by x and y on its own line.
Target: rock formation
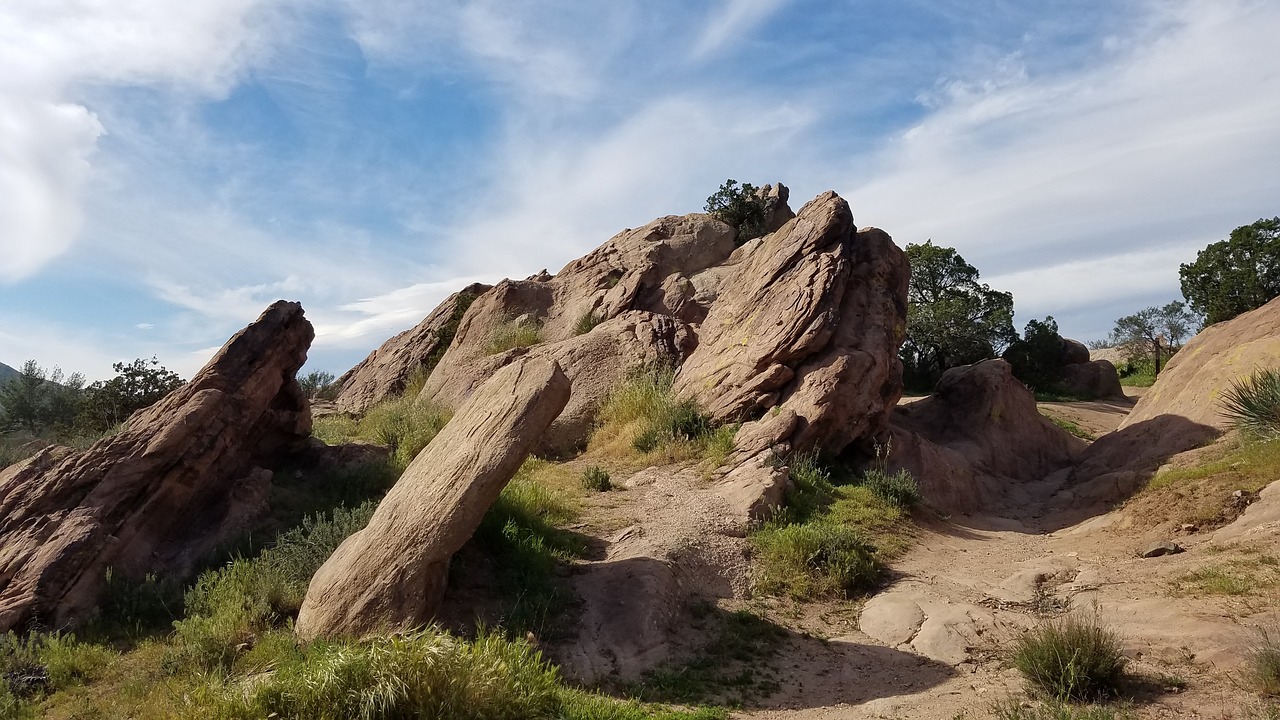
pixel 807 319
pixel 180 477
pixel 1181 411
pixel 391 575
pixel 387 370
pixel 977 435
pixel 1066 367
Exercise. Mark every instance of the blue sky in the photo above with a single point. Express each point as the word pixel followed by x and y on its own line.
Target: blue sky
pixel 168 169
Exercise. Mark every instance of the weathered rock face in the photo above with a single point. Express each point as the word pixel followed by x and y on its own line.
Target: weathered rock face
pixel 181 477
pixel 391 575
pixel 387 369
pixel 1191 385
pixel 1181 411
pixel 810 319
pixel 977 435
pixel 642 269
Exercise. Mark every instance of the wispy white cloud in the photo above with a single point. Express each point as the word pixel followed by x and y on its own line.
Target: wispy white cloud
pixel 732 19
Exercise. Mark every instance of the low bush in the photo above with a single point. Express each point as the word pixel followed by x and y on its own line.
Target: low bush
pixel 1262 663
pixel 587 323
pixel 815 559
pixel 511 334
pixel 1071 659
pixel 644 411
pixel 1253 404
pixel 405 424
pixel 596 478
pixel 898 489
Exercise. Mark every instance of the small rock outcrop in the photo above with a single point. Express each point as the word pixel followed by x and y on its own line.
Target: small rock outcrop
pixel 1063 364
pixel 180 477
pixel 387 370
pixel 977 435
pixel 391 575
pixel 808 319
pixel 1092 379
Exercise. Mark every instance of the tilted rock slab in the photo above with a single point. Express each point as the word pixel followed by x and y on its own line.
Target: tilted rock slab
pixel 810 320
pixel 391 575
pixel 387 370
pixel 180 478
pixel 977 438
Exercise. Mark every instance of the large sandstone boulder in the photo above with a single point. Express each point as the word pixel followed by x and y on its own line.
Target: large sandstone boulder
pixel 180 478
pixel 1181 411
pixel 387 370
pixel 978 435
pixel 642 269
pixel 391 575
pixel 1092 379
pixel 809 319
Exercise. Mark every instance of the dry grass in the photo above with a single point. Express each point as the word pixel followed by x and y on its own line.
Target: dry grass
pixel 1202 494
pixel 511 334
pixel 1249 573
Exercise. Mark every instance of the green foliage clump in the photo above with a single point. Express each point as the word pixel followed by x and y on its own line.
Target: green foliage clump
pixel 1036 359
pixel 832 540
pixel 596 478
pixel 511 334
pixel 587 322
pixel 898 489
pixel 37 665
pixel 1235 275
pixel 1015 709
pixel 40 401
pixel 1154 332
pixel 644 409
pixel 319 385
pixel 137 385
pixel 1071 659
pixel 1253 404
pixel 1262 663
pixel 952 319
pixel 405 424
pixel 740 207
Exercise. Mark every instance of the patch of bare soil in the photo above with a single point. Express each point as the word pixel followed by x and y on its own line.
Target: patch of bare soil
pixel 1097 417
pixel 934 642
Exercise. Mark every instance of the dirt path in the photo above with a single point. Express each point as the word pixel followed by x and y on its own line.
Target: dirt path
pixel 933 643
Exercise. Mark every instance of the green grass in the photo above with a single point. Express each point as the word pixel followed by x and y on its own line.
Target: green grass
pixel 511 334
pixel 643 416
pixel 403 423
pixel 733 666
pixel 596 479
pixel 1070 427
pixel 1262 663
pixel 1253 404
pixel 1072 658
pixel 587 323
pixel 832 540
pixel 1015 709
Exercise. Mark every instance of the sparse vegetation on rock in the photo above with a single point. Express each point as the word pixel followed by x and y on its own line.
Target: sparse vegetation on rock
pixel 741 207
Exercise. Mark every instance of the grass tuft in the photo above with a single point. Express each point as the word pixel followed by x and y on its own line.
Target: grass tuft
pixel 511 334
pixel 899 489
pixel 1014 709
pixel 596 478
pixel 1253 404
pixel 1071 659
pixel 587 323
pixel 642 413
pixel 1262 663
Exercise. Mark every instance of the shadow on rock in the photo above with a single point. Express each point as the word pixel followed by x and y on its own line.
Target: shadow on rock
pixel 1121 463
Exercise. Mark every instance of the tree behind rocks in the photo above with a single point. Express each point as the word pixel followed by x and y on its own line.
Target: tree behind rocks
pixel 740 207
pixel 137 385
pixel 952 319
pixel 1154 332
pixel 1235 275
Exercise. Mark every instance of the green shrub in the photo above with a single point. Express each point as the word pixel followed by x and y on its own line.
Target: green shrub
pixel 898 489
pixel 815 559
pixel 1253 404
pixel 587 323
pixel 38 664
pixel 644 408
pixel 740 207
pixel 596 478
pixel 511 334
pixel 1262 663
pixel 405 424
pixel 1071 658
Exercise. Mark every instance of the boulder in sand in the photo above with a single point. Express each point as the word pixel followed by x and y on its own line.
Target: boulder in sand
pixel 180 478
pixel 391 575
pixel 976 437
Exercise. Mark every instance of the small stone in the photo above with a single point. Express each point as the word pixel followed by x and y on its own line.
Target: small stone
pixel 1188 528
pixel 1238 494
pixel 1164 548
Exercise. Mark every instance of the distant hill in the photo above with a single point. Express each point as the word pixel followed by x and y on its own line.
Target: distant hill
pixel 6 373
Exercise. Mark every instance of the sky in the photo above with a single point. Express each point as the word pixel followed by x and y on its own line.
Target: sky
pixel 167 170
